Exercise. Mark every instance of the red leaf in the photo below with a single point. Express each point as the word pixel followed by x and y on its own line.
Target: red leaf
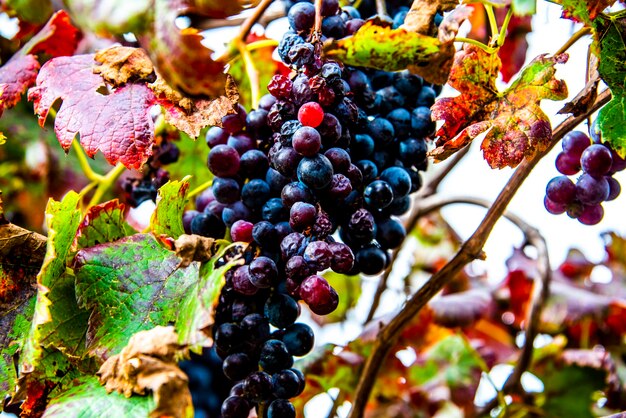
pixel 16 76
pixel 118 123
pixel 461 309
pixel 58 37
pixel 512 121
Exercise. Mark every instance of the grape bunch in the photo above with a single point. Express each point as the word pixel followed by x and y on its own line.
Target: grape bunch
pixel 583 200
pixel 313 180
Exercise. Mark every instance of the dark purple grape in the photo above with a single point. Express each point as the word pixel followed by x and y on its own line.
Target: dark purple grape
pixel 407 83
pixel 301 216
pixel 223 161
pixel 228 336
pixel 343 258
pixel 318 255
pixel 208 225
pixel 591 214
pixel 291 245
pixel 203 199
pixel 421 123
pixel 276 181
pixel 315 172
pixel 286 384
pixel 235 122
pixel 362 146
pixel 242 142
pixel 426 97
pixel 296 192
pixel 258 386
pixel 355 176
pixel 242 282
pixel 399 180
pixel 225 190
pixel 566 164
pixel 264 233
pixel 340 187
pixel 301 16
pixel 378 194
pixel 382 131
pixel 333 27
pixel 330 129
pixel 286 161
pixel 368 170
pixel 362 225
pixel 390 233
pixel 307 141
pixel 614 188
pixel 275 356
pixel 284 46
pixel 267 101
pixel 299 339
pixel 255 193
pixel 187 218
pixel 353 25
pixel 390 99
pixel 591 191
pixel 553 207
pixel 281 408
pixel 256 121
pixel 596 160
pixel 280 87
pixel 274 211
pixel 263 272
pixel 255 328
pixel 253 164
pixel 400 118
pixel 297 268
pixel 339 158
pixel 235 407
pixel 319 295
pixel 301 55
pixel 371 260
pixel 399 206
pixel 574 143
pixel 561 190
pixel 216 136
pixel 237 366
pixel 281 310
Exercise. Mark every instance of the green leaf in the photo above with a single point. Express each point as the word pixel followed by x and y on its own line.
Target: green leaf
pixel 568 391
pixel 584 10
pixel 32 11
pixel 58 322
pixel 87 398
pixel 611 40
pixel 524 7
pixel 197 310
pixel 377 45
pixel 167 218
pixel 129 285
pixel 452 362
pixel 191 162
pixel 111 17
pixel 103 223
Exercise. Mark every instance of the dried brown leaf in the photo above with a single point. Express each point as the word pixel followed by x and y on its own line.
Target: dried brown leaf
pixel 149 364
pixel 194 248
pixel 421 17
pixel 119 65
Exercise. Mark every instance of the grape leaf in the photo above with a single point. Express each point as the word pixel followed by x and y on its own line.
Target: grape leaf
pixel 461 309
pixel 150 363
pixel 57 321
pixel 86 398
pixel 167 218
pixel 128 286
pixel 179 56
pixel 118 65
pixel 584 10
pixel 611 40
pixel 102 223
pixel 377 45
pixel 116 123
pixel 21 255
pixel 32 11
pixel 515 125
pixel 197 310
pixel 20 71
pixel 111 17
pixel 421 16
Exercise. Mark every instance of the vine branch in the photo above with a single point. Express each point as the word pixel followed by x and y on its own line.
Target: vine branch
pixel 469 251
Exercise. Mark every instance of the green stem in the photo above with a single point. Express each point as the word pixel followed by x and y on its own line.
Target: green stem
pixel 479 44
pixel 199 189
pixel 253 75
pixel 503 28
pixel 493 25
pixel 84 163
pixel 106 184
pixel 265 43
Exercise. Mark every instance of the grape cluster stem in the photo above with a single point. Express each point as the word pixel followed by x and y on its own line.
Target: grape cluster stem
pixel 469 251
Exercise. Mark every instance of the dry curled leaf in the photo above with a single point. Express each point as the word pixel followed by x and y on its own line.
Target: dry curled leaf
pixel 119 65
pixel 149 364
pixel 194 248
pixel 421 17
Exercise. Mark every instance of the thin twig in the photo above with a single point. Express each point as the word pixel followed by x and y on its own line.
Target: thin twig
pixel 573 39
pixel 427 190
pixel 469 251
pixel 247 24
pixel 317 29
